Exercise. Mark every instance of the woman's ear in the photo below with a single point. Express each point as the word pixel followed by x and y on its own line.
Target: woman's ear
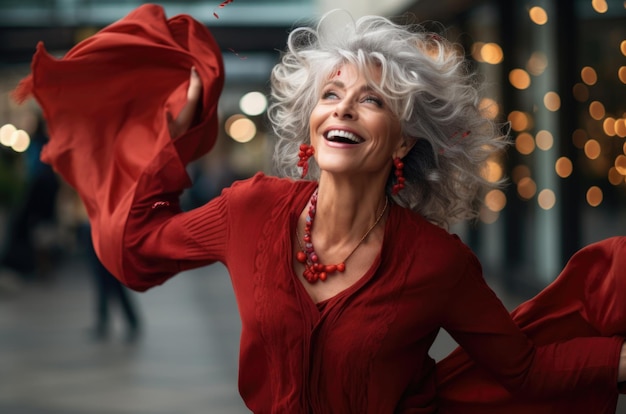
pixel 405 146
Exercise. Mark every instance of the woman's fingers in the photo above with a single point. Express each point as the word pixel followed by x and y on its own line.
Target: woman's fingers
pixel 181 124
pixel 195 86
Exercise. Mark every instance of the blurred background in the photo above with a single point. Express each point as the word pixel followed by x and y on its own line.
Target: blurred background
pixel 71 341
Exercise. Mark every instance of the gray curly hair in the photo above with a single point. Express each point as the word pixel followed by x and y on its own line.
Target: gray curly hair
pixel 428 85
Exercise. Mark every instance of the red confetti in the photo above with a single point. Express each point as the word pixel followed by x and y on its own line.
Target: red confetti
pixel 455 141
pixel 221 6
pixel 237 54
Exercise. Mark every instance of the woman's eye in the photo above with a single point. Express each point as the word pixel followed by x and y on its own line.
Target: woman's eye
pixel 329 95
pixel 374 99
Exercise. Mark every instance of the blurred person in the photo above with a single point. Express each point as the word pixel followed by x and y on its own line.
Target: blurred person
pixel 20 259
pixel 343 278
pixel 109 291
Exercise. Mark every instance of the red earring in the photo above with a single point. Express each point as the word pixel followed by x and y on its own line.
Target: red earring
pixel 306 152
pixel 399 185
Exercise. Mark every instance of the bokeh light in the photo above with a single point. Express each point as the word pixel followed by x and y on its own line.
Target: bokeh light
pixel 620 164
pixel 594 196
pixel 21 141
pixel 563 167
pixel 253 103
pixel 608 126
pixel 519 78
pixel 519 120
pixel 495 200
pixel 538 15
pixel 492 171
pixel 7 134
pixel 620 127
pixel 589 75
pixel 240 128
pixel 592 149
pixel 16 139
pixel 491 53
pixel 544 140
pixel 580 92
pixel 621 74
pixel 596 110
pixel 552 101
pixel 526 188
pixel 614 176
pixel 546 199
pixel 476 51
pixel 600 6
pixel 537 63
pixel 489 108
pixel 524 143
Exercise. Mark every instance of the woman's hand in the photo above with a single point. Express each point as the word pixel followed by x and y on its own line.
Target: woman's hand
pixel 185 118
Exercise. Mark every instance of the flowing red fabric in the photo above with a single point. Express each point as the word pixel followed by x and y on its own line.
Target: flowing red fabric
pixel 587 299
pixel 107 103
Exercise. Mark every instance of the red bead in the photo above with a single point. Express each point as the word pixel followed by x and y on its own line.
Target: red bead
pixel 301 257
pixel 341 267
pixel 314 258
pixel 323 276
pixel 330 268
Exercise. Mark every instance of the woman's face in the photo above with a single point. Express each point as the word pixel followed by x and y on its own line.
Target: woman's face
pixel 352 128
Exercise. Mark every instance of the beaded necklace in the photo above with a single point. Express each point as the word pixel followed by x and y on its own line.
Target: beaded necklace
pixel 313 269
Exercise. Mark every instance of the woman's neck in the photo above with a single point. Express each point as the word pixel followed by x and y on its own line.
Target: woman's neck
pixel 345 210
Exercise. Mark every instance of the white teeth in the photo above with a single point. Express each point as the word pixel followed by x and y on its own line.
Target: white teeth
pixel 339 133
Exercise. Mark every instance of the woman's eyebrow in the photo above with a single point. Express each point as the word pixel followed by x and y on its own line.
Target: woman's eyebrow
pixel 341 85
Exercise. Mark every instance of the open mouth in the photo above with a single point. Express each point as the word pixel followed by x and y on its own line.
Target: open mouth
pixel 344 137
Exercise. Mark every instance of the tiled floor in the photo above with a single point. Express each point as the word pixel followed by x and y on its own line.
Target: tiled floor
pixel 185 362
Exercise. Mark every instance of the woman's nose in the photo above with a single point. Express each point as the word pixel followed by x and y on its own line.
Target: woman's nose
pixel 345 110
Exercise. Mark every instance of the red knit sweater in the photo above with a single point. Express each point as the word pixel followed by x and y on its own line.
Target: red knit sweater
pixel 366 349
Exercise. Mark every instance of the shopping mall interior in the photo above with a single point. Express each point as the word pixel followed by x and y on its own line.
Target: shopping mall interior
pixel 554 75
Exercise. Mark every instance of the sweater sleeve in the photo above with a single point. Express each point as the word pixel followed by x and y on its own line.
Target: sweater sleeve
pixel 481 325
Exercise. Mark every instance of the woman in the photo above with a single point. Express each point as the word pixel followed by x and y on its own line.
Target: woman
pixel 342 280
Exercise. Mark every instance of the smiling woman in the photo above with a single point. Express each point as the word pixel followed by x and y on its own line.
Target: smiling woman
pixel 342 279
